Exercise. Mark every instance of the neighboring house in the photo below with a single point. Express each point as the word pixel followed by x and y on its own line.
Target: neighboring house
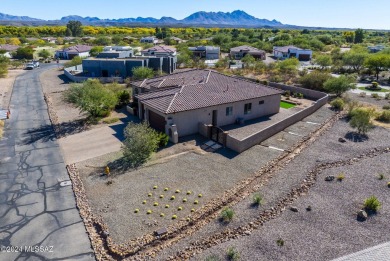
pixel 177 40
pixel 149 39
pixel 159 51
pixel 122 67
pixel 180 103
pixel 206 52
pixel 239 52
pixel 7 49
pixel 49 40
pixel 284 52
pixel 73 51
pixel 375 49
pixel 116 52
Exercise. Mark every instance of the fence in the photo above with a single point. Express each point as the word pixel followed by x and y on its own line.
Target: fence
pixel 246 143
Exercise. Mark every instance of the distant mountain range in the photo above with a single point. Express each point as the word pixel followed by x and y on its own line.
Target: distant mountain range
pixel 209 19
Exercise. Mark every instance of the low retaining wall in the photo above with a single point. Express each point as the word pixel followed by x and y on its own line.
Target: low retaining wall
pixel 310 94
pixel 79 68
pixel 248 142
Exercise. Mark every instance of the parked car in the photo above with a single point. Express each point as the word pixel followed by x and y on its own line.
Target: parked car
pixel 36 64
pixel 29 66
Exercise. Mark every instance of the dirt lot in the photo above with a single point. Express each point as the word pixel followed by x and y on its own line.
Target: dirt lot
pixel 6 85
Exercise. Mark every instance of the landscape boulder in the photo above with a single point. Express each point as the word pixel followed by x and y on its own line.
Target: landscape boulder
pixel 362 215
pixel 329 178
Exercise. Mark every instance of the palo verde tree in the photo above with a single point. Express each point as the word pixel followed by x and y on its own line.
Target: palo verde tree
pixel 338 85
pixel 359 36
pixel 74 28
pixel 378 62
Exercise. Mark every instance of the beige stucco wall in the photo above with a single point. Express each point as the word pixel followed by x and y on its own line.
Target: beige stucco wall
pixel 187 122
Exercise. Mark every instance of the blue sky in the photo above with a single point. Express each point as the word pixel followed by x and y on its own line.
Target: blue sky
pixel 326 13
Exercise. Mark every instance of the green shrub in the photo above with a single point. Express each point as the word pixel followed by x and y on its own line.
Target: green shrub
pixel 361 119
pixel 140 142
pixel 123 97
pixel 227 214
pixel 387 96
pixel 372 204
pixel 257 199
pixel 338 104
pixel 375 95
pixel 340 177
pixel 386 107
pixel 280 242
pixel 315 80
pixel 233 254
pixel 162 138
pixel 381 176
pixel 384 116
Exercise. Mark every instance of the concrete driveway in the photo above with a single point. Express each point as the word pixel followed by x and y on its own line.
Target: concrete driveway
pixel 35 211
pixel 92 143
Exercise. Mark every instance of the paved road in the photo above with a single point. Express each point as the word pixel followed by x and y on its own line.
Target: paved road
pixel 34 209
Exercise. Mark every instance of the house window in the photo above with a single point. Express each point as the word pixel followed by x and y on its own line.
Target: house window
pixel 229 111
pixel 261 102
pixel 248 108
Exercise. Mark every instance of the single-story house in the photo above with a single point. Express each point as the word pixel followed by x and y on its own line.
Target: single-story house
pixel 159 51
pixel 177 40
pixel 7 49
pixel 122 67
pixel 239 52
pixel 375 49
pixel 180 103
pixel 284 52
pixel 206 52
pixel 49 40
pixel 72 51
pixel 149 39
pixel 116 52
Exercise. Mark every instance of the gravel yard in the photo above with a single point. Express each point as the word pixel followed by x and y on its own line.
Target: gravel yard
pixel 330 229
pixel 207 173
pixel 368 100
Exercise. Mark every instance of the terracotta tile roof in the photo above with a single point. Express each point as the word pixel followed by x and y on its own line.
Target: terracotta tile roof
pixel 8 47
pixel 246 48
pixel 215 89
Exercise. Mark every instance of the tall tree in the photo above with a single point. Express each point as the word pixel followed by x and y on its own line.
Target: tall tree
pixel 75 28
pixel 359 36
pixel 355 60
pixel 378 62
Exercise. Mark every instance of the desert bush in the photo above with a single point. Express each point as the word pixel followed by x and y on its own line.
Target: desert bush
pixel 340 177
pixel 110 120
pixel 361 119
pixel 140 142
pixel 351 105
pixel 338 104
pixel 315 80
pixel 338 85
pixel 280 242
pixel 257 199
pixel 372 204
pixel 162 139
pixel 386 107
pixel 375 95
pixel 381 176
pixel 233 254
pixel 384 116
pixel 140 73
pixel 227 214
pixel 387 96
pixel 212 258
pixel 92 97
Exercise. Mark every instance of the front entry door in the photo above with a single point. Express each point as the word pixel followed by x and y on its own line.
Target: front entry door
pixel 215 118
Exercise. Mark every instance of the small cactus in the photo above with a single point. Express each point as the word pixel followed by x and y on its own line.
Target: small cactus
pixel 150 194
pixel 166 189
pixel 200 195
pixel 173 197
pixel 179 208
pixel 188 219
pixel 136 210
pixel 144 202
pixel 149 212
pixel 166 206
pixel 161 196
pixel 155 187
pixel 155 204
pixel 184 200
pixel 162 215
pixel 174 217
pixel 192 210
pixel 177 191
pixel 189 192
pixel 196 202
pixel 388 185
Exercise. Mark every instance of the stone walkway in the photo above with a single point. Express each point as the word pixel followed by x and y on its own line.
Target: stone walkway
pixel 38 217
